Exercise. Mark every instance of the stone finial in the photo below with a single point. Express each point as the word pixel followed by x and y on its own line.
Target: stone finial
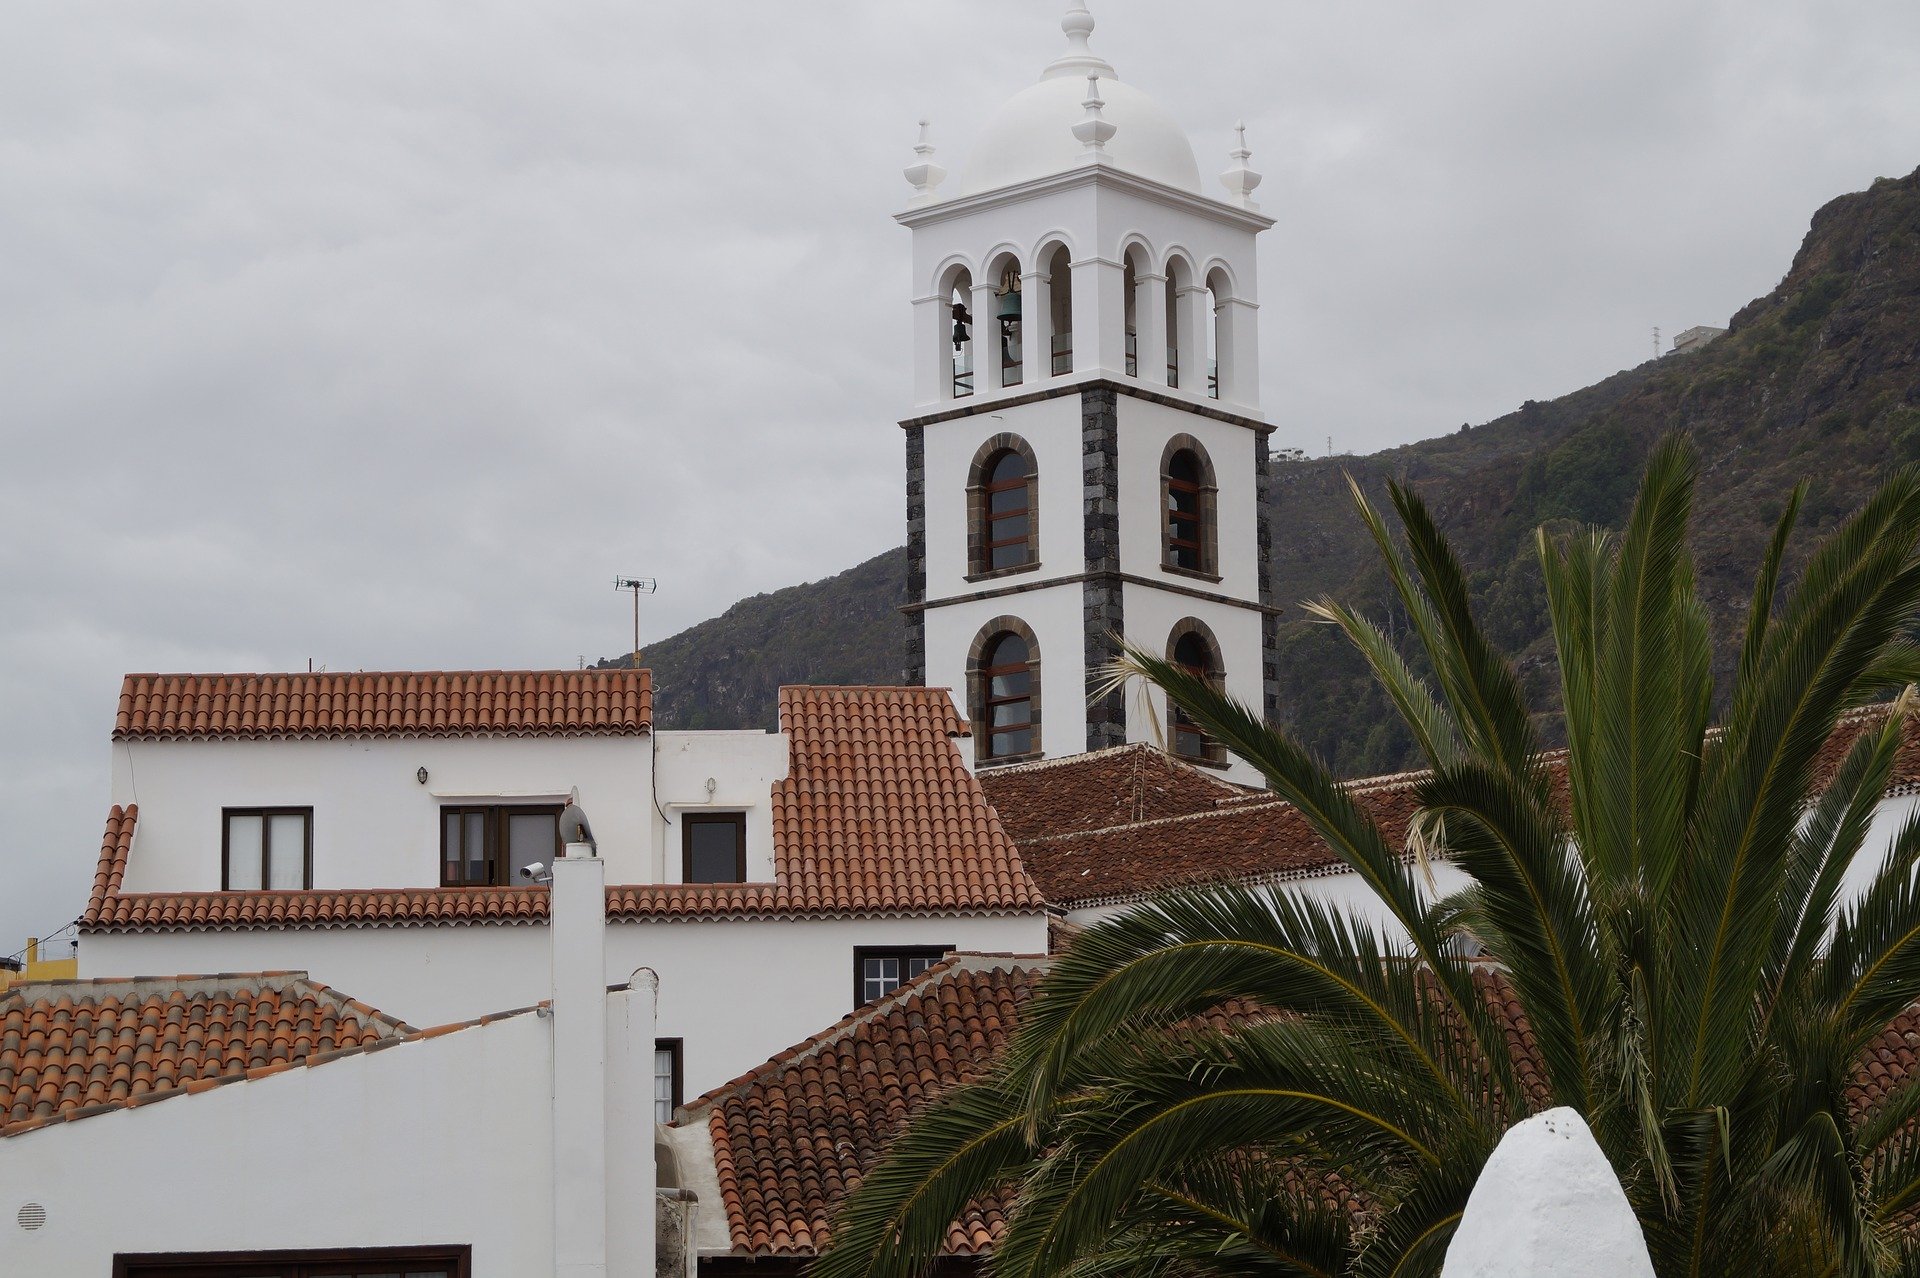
pixel 925 175
pixel 1095 130
pixel 1078 24
pixel 1079 59
pixel 1240 179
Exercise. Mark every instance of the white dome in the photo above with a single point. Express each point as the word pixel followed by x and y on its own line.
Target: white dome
pixel 1032 136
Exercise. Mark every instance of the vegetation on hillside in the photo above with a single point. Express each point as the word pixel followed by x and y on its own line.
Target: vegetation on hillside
pixel 1819 378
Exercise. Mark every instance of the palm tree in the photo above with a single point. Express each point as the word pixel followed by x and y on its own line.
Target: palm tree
pixel 1250 1081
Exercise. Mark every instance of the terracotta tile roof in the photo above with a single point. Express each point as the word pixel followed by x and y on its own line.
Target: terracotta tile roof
pixel 1099 789
pixel 878 814
pixel 409 704
pixel 1243 839
pixel 73 1049
pixel 792 1138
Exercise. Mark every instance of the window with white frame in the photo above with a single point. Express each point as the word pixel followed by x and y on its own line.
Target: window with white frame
pixel 878 972
pixel 266 848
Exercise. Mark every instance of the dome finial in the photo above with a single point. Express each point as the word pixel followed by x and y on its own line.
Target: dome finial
pixel 1240 179
pixel 1079 59
pixel 1095 131
pixel 923 172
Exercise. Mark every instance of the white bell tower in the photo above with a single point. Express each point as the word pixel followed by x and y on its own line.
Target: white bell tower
pixel 1086 456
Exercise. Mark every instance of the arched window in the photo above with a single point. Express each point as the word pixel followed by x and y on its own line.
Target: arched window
pixel 1188 490
pixel 1003 508
pixel 1191 646
pixel 1004 670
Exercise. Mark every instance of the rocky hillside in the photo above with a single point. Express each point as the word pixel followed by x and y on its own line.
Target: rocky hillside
pixel 1819 379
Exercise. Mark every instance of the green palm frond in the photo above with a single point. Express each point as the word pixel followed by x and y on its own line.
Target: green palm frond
pixel 1251 1080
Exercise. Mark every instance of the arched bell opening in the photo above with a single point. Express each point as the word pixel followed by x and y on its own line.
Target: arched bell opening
pixel 1219 333
pixel 1057 265
pixel 999 303
pixel 956 333
pixel 1182 340
pixel 1133 270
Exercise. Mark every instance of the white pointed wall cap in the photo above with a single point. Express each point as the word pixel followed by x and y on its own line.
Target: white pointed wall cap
pixel 1031 135
pixel 1548 1205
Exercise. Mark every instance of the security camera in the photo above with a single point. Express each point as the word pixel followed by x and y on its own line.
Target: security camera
pixel 533 871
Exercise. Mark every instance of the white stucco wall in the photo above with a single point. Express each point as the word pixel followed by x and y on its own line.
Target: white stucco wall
pixel 1052 428
pixel 742 766
pixel 374 824
pixel 1145 429
pixel 735 991
pixel 376 1150
pixel 1055 615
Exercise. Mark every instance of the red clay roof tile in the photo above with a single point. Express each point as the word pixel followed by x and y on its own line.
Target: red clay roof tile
pixel 878 813
pixel 405 704
pixel 793 1137
pixel 72 1049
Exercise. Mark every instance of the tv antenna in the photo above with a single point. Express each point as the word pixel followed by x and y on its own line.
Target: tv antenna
pixel 1656 341
pixel 639 586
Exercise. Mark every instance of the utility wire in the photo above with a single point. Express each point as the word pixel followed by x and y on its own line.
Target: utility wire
pixel 51 936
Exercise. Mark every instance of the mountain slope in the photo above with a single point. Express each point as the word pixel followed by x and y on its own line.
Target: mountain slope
pixel 1819 379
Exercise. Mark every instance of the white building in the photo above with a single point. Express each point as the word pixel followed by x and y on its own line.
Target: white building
pixel 809 932
pixel 1086 454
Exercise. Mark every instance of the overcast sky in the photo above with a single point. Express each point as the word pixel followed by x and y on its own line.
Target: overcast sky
pixel 387 335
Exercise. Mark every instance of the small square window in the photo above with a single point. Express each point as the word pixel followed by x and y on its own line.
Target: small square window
pixel 878 972
pixel 713 847
pixel 267 849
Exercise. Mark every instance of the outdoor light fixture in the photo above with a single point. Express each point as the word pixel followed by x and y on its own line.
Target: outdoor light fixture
pixel 421 776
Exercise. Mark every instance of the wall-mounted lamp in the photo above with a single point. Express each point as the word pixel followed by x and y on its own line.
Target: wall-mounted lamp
pixel 712 785
pixel 421 776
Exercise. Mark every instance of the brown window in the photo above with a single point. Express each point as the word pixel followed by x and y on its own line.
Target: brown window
pixel 1002 508
pixel 879 972
pixel 1186 535
pixel 489 846
pixel 1007 708
pixel 1008 544
pixel 390 1262
pixel 713 847
pixel 270 848
pixel 1194 651
pixel 668 1055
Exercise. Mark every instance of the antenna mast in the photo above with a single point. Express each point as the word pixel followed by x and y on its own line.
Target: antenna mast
pixel 1656 341
pixel 639 586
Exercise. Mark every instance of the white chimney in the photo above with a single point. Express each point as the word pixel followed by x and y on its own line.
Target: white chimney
pixel 577 927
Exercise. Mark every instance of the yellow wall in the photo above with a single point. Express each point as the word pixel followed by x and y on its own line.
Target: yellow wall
pixel 40 967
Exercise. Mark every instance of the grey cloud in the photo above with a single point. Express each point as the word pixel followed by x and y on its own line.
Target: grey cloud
pixel 388 335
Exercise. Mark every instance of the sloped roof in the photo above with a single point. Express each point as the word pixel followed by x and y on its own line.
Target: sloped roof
pixel 399 704
pixel 1099 789
pixel 1240 838
pixel 878 814
pixel 1177 835
pixel 793 1137
pixel 73 1049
